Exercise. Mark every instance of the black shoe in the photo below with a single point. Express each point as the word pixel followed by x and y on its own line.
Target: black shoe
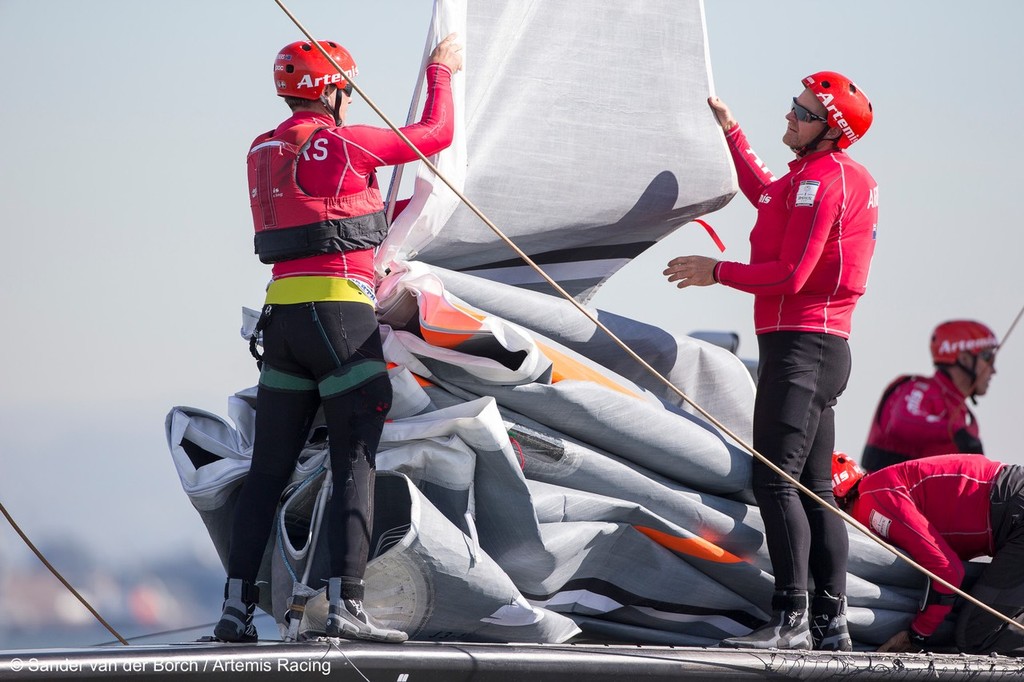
pixel 829 630
pixel 235 624
pixel 787 629
pixel 346 617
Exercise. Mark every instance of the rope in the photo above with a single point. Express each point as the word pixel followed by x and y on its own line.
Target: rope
pixel 59 577
pixel 629 351
pixel 1012 327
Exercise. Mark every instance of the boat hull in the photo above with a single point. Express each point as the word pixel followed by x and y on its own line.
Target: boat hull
pixel 449 662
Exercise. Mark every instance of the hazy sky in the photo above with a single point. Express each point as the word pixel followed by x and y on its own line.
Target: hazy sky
pixel 127 234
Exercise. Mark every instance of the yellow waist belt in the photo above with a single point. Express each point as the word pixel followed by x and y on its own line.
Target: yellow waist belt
pixel 309 289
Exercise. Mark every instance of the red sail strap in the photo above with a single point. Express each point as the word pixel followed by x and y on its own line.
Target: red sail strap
pixel 711 233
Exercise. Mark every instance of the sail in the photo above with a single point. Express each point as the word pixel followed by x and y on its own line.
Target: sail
pixel 587 137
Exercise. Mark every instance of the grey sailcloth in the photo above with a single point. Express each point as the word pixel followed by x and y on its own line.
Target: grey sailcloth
pixel 522 489
pixel 714 379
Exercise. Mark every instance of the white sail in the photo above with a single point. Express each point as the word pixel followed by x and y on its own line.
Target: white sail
pixel 587 138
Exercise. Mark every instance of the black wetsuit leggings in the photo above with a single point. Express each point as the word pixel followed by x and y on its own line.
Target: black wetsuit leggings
pixel 326 353
pixel 1001 584
pixel 800 377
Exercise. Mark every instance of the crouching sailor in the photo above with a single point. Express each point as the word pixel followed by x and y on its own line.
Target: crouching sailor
pixel 318 215
pixel 941 511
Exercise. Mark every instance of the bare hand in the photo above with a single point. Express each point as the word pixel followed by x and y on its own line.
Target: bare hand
pixel 449 53
pixel 722 113
pixel 899 643
pixel 691 271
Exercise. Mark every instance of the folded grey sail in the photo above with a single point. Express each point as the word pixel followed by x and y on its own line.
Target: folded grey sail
pixel 428 575
pixel 547 493
pixel 688 363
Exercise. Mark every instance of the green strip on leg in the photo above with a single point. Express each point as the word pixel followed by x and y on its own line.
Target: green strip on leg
pixel 351 376
pixel 281 381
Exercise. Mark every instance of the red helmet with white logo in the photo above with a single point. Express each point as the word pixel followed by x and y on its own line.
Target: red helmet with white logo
pixel 845 474
pixel 956 336
pixel 300 70
pixel 849 109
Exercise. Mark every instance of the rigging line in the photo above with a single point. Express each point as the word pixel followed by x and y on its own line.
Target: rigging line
pixel 164 633
pixel 186 629
pixel 59 577
pixel 1012 326
pixel 629 351
pixel 333 643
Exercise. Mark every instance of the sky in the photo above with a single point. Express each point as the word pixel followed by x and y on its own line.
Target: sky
pixel 127 233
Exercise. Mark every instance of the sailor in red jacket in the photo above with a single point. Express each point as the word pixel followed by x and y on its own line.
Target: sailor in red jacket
pixel 318 215
pixel 942 511
pixel 810 252
pixel 922 416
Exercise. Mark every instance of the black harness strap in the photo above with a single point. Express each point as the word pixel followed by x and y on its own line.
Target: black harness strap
pixel 260 326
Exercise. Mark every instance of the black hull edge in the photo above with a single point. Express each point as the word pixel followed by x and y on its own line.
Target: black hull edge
pixel 456 662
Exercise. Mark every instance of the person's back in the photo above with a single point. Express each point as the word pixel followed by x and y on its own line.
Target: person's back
pixel 924 416
pixel 920 416
pixel 916 502
pixel 318 215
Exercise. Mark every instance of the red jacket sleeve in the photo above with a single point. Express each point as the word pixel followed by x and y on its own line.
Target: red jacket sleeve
pixel 432 133
pixel 343 160
pixel 751 173
pixel 894 517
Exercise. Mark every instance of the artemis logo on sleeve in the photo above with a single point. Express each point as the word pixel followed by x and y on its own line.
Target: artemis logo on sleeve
pixel 806 192
pixel 879 523
pixel 873 197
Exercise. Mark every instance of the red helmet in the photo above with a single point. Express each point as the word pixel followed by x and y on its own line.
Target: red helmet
pixel 845 474
pixel 956 336
pixel 300 70
pixel 848 107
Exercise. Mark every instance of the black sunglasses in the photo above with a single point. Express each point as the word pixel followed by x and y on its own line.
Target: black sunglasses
pixel 347 89
pixel 804 114
pixel 988 355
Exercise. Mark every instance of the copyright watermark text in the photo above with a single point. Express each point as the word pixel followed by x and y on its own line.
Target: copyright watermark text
pixel 171 665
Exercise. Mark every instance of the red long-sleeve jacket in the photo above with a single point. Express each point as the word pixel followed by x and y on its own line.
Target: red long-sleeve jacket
pixel 937 510
pixel 342 160
pixel 811 246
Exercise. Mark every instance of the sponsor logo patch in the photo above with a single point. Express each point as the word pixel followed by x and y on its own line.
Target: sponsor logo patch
pixel 879 523
pixel 806 192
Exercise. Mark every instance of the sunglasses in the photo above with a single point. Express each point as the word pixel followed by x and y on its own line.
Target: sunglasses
pixel 804 114
pixel 988 355
pixel 347 89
